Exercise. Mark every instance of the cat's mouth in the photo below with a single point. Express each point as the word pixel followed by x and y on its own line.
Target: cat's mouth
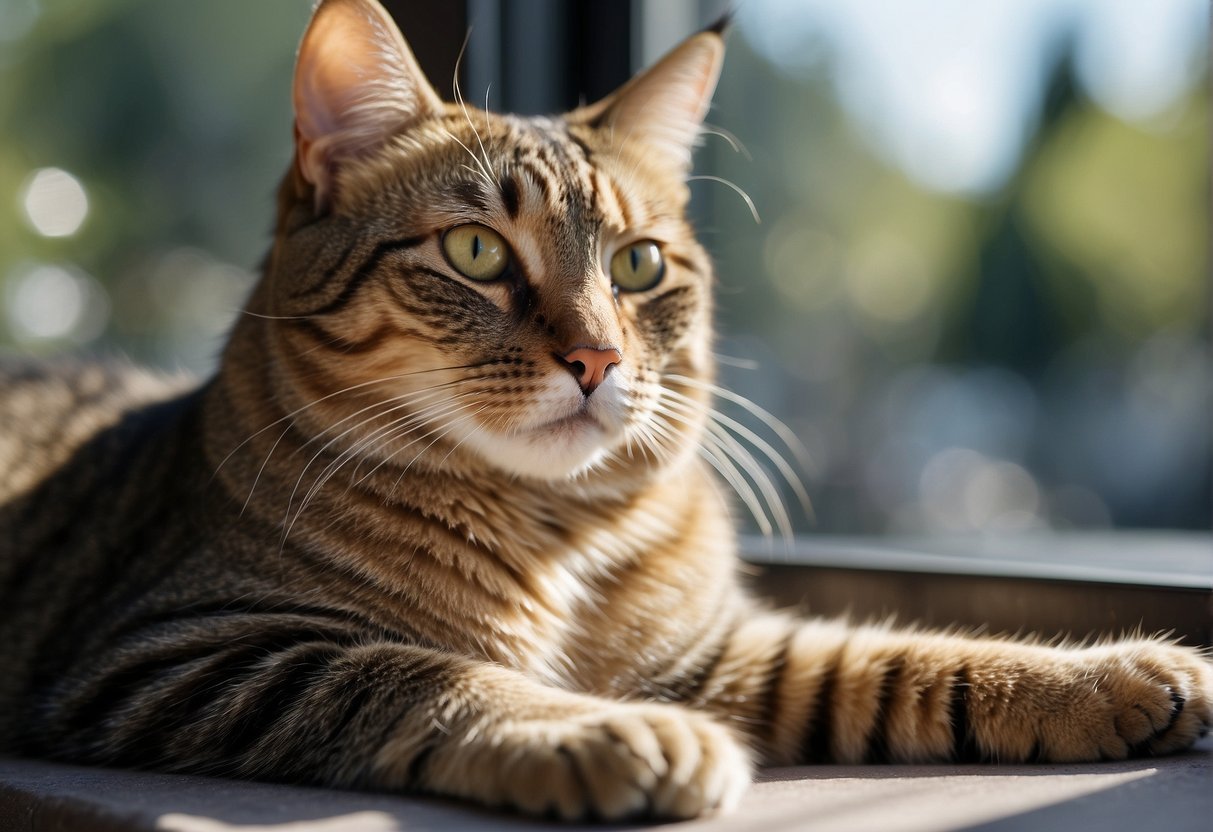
pixel 579 420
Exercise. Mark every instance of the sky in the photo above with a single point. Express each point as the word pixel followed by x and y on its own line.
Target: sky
pixel 949 89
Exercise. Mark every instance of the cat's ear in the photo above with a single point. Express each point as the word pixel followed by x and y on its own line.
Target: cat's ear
pixel 356 83
pixel 663 107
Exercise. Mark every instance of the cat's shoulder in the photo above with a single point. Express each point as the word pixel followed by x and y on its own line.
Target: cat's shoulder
pixel 43 386
pixel 49 408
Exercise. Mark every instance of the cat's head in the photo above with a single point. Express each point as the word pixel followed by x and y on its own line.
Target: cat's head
pixel 524 290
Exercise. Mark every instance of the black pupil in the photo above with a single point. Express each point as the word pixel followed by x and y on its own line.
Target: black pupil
pixel 476 246
pixel 635 255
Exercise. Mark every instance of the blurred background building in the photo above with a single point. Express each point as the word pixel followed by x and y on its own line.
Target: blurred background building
pixel 979 292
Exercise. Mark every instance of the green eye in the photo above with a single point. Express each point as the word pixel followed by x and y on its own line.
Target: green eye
pixel 477 252
pixel 638 267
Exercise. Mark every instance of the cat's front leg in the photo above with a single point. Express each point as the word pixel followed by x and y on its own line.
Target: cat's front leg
pixel 819 691
pixel 291 700
pixel 548 752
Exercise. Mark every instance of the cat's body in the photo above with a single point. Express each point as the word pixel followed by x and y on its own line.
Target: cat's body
pixel 439 523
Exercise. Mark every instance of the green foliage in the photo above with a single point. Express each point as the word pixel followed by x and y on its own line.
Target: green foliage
pixel 175 116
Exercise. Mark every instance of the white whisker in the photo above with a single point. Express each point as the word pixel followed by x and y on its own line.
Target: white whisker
pixel 733 141
pixel 252 314
pixel 480 171
pixel 447 429
pixel 351 453
pixel 734 361
pixel 458 93
pixel 766 417
pixel 430 414
pixel 724 421
pixel 344 456
pixel 737 188
pixel 758 476
pixel 726 453
pixel 408 420
pixel 341 392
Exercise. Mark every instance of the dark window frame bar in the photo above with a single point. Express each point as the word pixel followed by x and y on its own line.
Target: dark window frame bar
pixel 573 51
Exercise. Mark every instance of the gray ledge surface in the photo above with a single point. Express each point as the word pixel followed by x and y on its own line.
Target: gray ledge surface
pixel 1173 793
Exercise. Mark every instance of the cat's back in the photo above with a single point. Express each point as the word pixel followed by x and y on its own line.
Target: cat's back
pixel 49 409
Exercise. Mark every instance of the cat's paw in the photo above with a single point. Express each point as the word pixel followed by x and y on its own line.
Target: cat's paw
pixel 1137 698
pixel 629 760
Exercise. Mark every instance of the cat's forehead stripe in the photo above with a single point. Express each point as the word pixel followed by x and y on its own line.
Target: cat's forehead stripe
pixel 548 159
pixel 510 195
pixel 617 200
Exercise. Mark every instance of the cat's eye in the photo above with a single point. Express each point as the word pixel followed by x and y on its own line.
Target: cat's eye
pixel 476 251
pixel 638 267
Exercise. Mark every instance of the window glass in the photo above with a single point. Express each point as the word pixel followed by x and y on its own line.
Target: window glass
pixel 142 142
pixel 979 291
pixel 978 294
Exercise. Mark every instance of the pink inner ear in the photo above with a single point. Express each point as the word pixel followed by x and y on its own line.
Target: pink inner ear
pixel 317 98
pixel 356 83
pixel 310 167
pixel 709 74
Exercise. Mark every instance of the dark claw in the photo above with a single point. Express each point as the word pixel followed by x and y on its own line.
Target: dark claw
pixel 1177 708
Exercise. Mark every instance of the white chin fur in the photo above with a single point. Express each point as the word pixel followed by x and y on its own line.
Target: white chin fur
pixel 560 439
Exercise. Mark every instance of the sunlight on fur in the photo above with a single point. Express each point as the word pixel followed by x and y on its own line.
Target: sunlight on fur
pixel 454 516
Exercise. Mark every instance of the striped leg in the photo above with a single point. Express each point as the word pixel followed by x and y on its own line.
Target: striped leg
pixel 817 691
pixel 305 705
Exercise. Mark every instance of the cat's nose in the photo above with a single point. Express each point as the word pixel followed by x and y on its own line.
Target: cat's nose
pixel 589 365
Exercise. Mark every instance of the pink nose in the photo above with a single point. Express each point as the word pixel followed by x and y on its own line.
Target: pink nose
pixel 589 366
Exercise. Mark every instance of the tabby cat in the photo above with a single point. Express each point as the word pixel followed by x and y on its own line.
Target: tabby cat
pixel 438 524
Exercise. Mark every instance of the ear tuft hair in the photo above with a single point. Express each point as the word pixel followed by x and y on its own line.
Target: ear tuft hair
pixel 723 24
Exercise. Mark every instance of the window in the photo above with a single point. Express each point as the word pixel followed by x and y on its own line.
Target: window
pixel 978 295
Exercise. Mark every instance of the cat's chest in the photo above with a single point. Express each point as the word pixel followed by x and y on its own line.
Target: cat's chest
pixel 575 604
pixel 564 604
pixel 597 619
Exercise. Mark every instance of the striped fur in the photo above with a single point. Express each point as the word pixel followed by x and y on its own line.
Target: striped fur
pixel 392 545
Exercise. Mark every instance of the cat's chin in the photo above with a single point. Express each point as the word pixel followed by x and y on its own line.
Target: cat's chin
pixel 556 450
pixel 563 435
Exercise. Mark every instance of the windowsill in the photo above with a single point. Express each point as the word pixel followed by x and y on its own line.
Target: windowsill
pixel 1170 793
pixel 1075 583
pixel 1162 559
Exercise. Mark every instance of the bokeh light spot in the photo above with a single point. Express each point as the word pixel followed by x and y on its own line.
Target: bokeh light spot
pixel 888 278
pixel 803 262
pixel 962 490
pixel 17 18
pixel 54 303
pixel 55 202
